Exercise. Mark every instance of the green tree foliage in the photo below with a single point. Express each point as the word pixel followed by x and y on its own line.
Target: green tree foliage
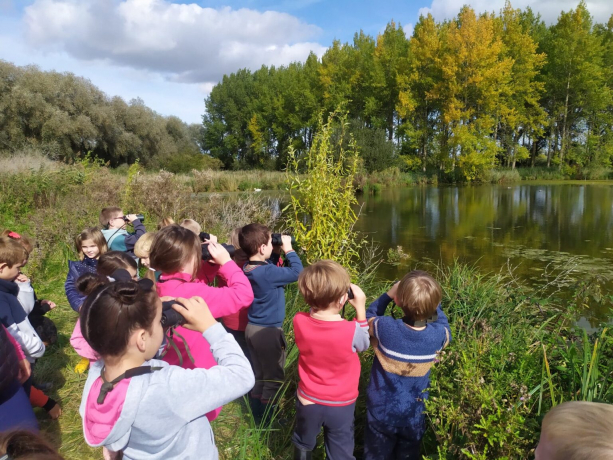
pixel 461 96
pixel 67 116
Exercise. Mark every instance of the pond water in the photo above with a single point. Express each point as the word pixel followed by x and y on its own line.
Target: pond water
pixel 540 229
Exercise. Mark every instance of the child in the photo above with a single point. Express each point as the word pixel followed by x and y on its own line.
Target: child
pixel 13 257
pixel 192 225
pixel 236 323
pixel 108 263
pixel 114 224
pixel 264 332
pixel 142 406
pixel 176 252
pixel 577 430
pixel 25 445
pixel 328 365
pixel 405 350
pixel 90 245
pixel 142 250
pixel 32 306
pixel 15 408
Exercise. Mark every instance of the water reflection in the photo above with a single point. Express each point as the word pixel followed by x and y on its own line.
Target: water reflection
pixel 531 225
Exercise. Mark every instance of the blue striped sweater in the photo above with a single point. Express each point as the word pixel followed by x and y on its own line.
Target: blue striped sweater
pixel 400 372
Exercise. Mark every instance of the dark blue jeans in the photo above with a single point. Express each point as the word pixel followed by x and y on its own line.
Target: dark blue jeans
pixel 386 442
pixel 338 429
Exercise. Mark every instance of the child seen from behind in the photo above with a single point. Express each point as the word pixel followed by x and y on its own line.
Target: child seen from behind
pixel 264 332
pixel 405 350
pixel 177 253
pixel 328 365
pixel 144 407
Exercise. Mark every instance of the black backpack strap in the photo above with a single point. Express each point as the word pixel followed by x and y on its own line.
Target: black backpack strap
pixel 134 372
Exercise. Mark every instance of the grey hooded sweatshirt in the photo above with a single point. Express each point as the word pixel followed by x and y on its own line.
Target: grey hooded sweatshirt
pixel 163 413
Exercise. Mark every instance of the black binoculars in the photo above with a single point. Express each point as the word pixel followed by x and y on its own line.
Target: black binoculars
pixel 170 316
pixel 276 239
pixel 140 217
pixel 206 255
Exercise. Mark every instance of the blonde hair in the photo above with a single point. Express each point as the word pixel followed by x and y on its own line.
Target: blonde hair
pixel 165 222
pixel 419 294
pixel 142 248
pixel 192 225
pixel 21 239
pixel 579 430
pixel 323 283
pixel 94 234
pixel 11 252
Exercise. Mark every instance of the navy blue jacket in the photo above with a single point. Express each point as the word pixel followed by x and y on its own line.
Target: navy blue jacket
pixel 267 281
pixel 75 270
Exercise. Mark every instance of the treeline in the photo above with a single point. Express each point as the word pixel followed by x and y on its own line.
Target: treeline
pixel 461 96
pixel 66 117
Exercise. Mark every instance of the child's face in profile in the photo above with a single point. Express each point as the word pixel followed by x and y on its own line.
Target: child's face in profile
pixel 11 273
pixel 145 261
pixel 117 221
pixel 268 249
pixel 90 249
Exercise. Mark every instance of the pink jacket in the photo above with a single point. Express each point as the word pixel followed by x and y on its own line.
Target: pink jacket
pixel 80 345
pixel 222 301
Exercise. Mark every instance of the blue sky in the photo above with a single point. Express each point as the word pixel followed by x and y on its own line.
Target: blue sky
pixel 171 53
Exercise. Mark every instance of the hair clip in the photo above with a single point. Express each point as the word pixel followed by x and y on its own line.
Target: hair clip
pixel 14 235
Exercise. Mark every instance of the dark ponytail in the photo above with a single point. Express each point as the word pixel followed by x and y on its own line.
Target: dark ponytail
pixel 113 310
pixel 108 263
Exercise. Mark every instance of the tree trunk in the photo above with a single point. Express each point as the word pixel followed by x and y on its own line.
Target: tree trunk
pixel 533 159
pixel 564 128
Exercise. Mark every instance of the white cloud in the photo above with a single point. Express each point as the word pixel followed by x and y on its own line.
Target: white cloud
pixel 601 10
pixel 185 43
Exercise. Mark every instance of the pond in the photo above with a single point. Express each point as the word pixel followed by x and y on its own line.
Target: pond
pixel 539 229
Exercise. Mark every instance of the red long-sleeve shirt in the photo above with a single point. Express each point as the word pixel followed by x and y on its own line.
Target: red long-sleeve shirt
pixel 328 366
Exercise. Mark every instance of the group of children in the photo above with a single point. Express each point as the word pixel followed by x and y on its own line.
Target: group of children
pixel 151 391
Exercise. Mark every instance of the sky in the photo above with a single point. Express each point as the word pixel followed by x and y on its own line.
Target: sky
pixel 172 53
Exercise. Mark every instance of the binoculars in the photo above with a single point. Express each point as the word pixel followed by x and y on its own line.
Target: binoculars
pixel 170 316
pixel 138 216
pixel 276 239
pixel 206 255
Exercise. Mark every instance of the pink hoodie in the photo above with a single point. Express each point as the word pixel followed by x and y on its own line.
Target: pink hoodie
pixel 222 301
pixel 80 345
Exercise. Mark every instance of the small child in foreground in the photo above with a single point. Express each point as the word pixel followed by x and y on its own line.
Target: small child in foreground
pixel 405 350
pixel 114 223
pixel 577 430
pixel 264 332
pixel 142 406
pixel 328 365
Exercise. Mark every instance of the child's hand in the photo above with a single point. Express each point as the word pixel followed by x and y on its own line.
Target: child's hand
pixel 22 278
pixel 48 302
pixel 219 254
pixel 196 312
pixel 55 411
pixel 393 290
pixel 25 370
pixel 212 239
pixel 286 243
pixel 131 217
pixel 358 302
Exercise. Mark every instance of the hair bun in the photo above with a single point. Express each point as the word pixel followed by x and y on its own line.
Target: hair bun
pixel 89 282
pixel 126 292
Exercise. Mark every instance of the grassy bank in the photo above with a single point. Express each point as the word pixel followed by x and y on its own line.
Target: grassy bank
pixel 515 351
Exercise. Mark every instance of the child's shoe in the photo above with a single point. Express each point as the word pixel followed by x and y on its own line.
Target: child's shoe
pixel 82 366
pixel 257 410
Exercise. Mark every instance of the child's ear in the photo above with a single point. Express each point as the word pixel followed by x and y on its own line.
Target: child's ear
pixel 141 340
pixel 3 265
